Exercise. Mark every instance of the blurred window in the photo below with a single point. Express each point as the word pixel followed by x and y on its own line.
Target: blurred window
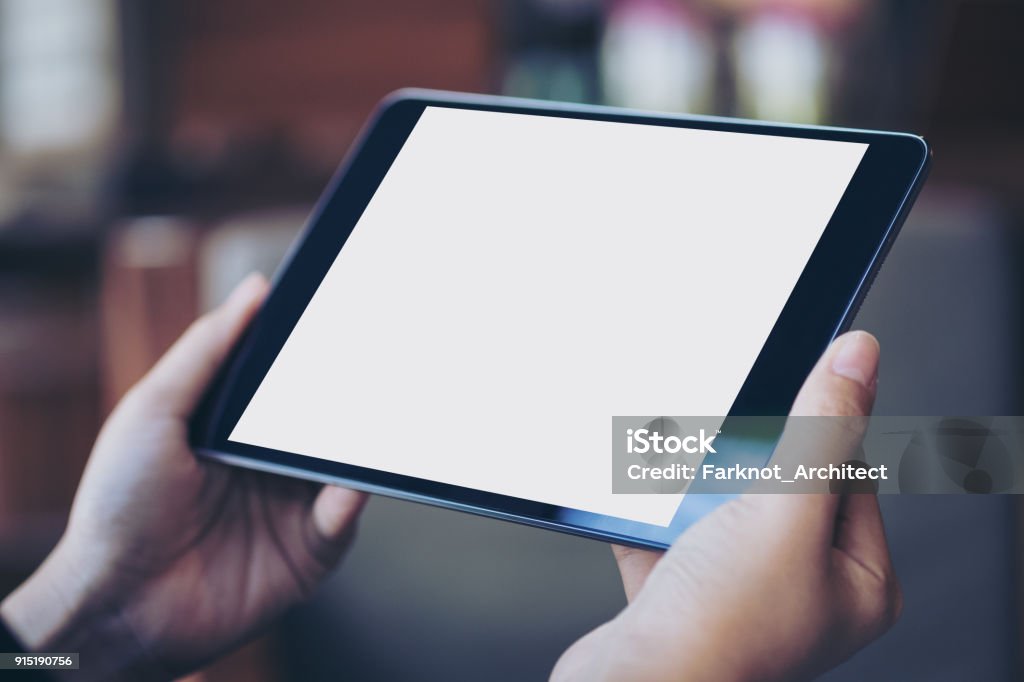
pixel 58 87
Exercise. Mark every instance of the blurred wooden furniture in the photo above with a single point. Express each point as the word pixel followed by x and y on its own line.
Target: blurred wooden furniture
pixel 48 415
pixel 148 297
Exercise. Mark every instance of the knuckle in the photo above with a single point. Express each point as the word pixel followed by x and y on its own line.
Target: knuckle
pixel 882 604
pixel 201 325
pixel 135 400
pixel 850 430
pixel 845 402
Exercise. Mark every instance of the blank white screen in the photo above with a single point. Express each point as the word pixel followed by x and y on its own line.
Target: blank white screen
pixel 517 280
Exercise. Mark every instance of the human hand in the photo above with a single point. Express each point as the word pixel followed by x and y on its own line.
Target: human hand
pixel 767 587
pixel 168 560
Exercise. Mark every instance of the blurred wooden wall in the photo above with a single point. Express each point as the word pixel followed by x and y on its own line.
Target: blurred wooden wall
pixel 253 63
pixel 212 76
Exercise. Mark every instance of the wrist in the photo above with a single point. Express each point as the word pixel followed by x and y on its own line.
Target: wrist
pixel 44 607
pixel 62 607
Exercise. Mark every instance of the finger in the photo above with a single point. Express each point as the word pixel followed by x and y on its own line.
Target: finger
pixel 634 567
pixel 871 589
pixel 177 381
pixel 860 533
pixel 332 522
pixel 826 425
pixel 334 510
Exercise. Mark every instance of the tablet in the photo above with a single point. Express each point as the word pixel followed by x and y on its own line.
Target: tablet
pixel 487 282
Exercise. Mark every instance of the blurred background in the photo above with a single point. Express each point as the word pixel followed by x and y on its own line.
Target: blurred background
pixel 152 153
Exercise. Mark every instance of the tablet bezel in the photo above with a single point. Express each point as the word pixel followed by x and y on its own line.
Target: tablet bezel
pixel 822 305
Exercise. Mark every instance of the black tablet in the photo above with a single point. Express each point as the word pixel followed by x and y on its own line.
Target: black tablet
pixel 487 282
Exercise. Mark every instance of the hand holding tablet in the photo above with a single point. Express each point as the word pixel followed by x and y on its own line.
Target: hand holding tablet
pixel 152 522
pixel 488 281
pixel 768 587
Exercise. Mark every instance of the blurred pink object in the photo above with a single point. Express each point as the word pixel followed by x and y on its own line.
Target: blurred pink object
pixel 828 14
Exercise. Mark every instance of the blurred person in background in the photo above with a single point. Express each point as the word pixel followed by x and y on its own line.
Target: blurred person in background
pixel 169 561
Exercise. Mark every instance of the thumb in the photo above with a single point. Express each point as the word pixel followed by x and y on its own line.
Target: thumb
pixel 177 381
pixel 826 425
pixel 843 382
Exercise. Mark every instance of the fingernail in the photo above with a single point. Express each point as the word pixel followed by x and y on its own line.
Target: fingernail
pixel 244 290
pixel 857 358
